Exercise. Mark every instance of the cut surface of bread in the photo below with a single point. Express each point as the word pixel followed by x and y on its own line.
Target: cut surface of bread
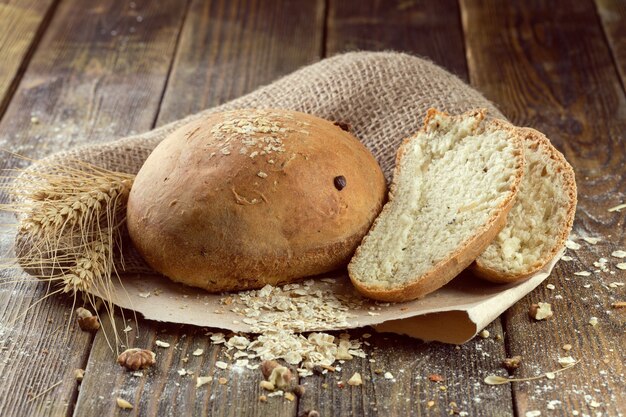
pixel 541 219
pixel 453 185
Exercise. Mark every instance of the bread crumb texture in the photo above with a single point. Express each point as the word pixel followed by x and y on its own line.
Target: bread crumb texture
pixel 450 179
pixel 541 219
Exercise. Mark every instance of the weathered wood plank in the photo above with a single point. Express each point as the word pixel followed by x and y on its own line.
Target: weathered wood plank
pixel 612 14
pixel 169 387
pixel 547 65
pixel 98 73
pixel 411 392
pixel 226 49
pixel 229 48
pixel 21 23
pixel 427 28
pixel 433 30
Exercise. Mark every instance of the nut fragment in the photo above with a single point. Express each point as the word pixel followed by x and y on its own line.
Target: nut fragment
pixel 435 378
pixel 309 413
pixel 512 363
pixel 79 374
pixel 484 334
pixel 135 359
pixel 289 396
pixel 266 385
pixel 540 311
pixel 267 367
pixel 280 377
pixel 123 404
pixel 355 380
pixel 262 398
pixel 299 390
pixel 87 321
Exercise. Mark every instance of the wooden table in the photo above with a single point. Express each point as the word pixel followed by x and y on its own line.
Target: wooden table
pixel 75 72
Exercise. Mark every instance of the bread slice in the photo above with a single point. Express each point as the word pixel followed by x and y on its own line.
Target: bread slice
pixel 454 183
pixel 541 219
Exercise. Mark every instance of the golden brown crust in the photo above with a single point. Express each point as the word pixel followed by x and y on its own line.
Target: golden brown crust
pixel 206 213
pixel 567 175
pixel 447 269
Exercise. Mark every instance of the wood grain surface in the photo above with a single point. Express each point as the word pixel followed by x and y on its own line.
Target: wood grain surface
pixel 97 74
pixel 426 28
pixel 22 22
pixel 556 74
pixel 228 48
pixel 612 14
pixel 81 72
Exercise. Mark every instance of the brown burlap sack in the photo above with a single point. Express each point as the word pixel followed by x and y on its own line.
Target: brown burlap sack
pixel 384 96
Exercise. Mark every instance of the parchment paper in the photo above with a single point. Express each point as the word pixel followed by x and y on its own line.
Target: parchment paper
pixel 452 314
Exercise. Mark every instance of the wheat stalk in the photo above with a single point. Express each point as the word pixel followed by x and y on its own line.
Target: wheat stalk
pixel 71 221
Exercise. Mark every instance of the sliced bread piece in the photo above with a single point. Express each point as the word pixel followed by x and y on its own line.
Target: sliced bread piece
pixel 541 219
pixel 454 183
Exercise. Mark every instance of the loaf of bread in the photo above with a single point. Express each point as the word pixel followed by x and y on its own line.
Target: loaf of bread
pixel 454 183
pixel 541 219
pixel 245 198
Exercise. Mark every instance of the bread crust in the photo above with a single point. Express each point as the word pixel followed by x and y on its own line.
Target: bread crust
pixel 237 220
pixel 444 271
pixel 566 172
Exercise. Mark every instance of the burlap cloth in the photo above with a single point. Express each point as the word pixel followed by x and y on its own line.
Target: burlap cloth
pixel 384 96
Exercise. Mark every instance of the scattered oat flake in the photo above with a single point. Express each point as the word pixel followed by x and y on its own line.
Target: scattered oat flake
pixel 261 174
pixel 123 404
pixel 618 254
pixel 182 372
pixel 144 294
pixel 221 365
pixel 127 329
pixel 591 240
pixel 619 304
pixel 541 311
pixel 533 413
pixel 203 380
pixel 198 352
pixel 594 404
pixel 566 258
pixel 616 284
pixel 570 244
pixel 593 321
pixel 162 344
pixel 621 265
pixel 388 375
pixel 550 375
pixel 582 273
pixel 566 361
pixel 289 396
pixel 552 404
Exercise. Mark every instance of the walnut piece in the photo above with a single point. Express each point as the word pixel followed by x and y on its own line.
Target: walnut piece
pixel 87 321
pixel 134 359
pixel 267 367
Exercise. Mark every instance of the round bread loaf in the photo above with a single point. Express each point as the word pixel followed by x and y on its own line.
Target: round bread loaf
pixel 245 198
